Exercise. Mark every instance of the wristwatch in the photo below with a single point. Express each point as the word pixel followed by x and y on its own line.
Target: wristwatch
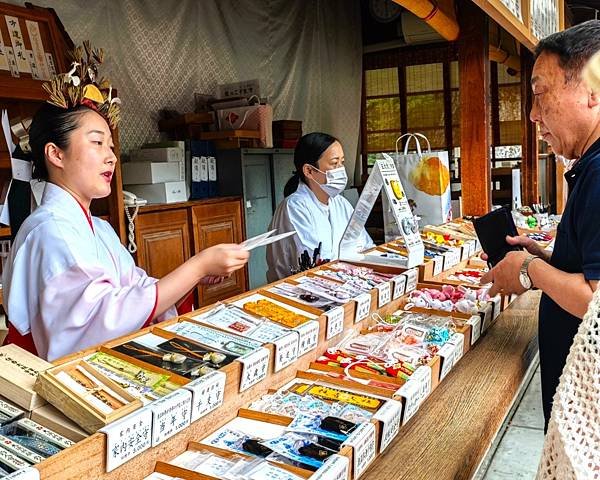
pixel 524 277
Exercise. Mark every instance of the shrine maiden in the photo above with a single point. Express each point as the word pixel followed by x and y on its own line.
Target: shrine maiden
pixel 69 283
pixel 312 206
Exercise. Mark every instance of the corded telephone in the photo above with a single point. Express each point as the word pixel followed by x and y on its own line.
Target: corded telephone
pixel 131 200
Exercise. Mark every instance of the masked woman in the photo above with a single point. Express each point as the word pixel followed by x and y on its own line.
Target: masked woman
pixel 313 206
pixel 69 283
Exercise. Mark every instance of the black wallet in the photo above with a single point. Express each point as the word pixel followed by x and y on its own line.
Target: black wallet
pixel 492 230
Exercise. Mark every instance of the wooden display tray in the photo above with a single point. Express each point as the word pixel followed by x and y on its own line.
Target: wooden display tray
pixel 185 474
pixel 73 405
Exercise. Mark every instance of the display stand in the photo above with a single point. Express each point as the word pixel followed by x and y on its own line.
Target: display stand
pixel 383 176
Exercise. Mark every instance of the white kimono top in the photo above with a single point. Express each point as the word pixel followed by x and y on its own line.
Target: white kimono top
pixel 314 222
pixel 70 282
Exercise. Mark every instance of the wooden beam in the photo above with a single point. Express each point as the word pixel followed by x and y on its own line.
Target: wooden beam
pixel 529 142
pixel 474 73
pixel 438 14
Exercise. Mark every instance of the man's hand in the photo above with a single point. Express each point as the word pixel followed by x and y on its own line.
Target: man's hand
pixel 505 275
pixel 530 245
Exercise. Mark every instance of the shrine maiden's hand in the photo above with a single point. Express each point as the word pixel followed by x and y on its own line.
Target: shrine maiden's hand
pixel 222 260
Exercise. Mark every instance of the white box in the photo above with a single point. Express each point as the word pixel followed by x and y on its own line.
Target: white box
pixel 168 192
pixel 166 154
pixel 135 173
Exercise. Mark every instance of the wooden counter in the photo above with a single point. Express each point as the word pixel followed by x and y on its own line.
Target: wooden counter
pixel 451 432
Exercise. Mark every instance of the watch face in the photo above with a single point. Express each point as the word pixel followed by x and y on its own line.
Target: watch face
pixel 384 10
pixel 525 280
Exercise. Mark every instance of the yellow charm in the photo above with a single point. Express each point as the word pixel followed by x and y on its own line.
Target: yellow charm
pixel 92 93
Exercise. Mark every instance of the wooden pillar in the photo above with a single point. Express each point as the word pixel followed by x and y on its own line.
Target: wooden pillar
pixel 529 142
pixel 474 71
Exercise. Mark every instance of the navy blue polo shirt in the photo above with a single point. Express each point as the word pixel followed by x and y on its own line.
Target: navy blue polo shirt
pixel 576 250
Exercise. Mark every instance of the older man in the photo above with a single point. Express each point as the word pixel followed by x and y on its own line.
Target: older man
pixel 568 113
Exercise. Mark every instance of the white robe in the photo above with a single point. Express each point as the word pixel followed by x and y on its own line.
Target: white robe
pixel 70 286
pixel 314 222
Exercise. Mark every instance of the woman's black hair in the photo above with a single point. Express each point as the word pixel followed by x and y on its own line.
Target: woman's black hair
pixel 308 150
pixel 51 124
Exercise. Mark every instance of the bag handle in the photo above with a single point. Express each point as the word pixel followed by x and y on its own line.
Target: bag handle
pixel 424 138
pixel 408 141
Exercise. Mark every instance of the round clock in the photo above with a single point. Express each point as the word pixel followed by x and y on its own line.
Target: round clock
pixel 384 11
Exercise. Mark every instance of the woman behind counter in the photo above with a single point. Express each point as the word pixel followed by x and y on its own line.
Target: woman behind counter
pixel 312 206
pixel 69 283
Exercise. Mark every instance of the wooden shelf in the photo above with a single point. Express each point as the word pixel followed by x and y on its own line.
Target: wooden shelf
pixel 190 203
pixel 4 231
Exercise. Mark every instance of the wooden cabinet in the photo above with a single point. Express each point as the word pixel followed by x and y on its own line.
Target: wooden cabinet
pixel 163 241
pixel 168 235
pixel 214 224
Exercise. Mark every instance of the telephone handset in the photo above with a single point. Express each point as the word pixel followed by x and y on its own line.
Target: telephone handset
pixel 131 200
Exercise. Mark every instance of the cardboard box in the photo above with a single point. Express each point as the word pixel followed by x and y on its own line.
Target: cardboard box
pixel 52 418
pixel 165 154
pixel 168 192
pixel 18 372
pixel 152 172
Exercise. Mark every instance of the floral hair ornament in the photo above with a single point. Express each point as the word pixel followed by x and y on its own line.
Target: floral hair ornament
pixel 82 86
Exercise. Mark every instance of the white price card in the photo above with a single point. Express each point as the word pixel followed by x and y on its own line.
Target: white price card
pixel 390 415
pixel 335 322
pixel 27 473
pixel 487 312
pixel 362 440
pixel 438 265
pixel 309 336
pixel 384 293
pixel 363 306
pixel 255 367
pixel 414 391
pixel 399 285
pixel 286 350
pixel 458 340
pixel 335 468
pixel 475 322
pixel 497 306
pixel 208 393
pixel 412 278
pixel 472 247
pixel 464 251
pixel 127 437
pixel 446 353
pixel 170 415
pixel 448 261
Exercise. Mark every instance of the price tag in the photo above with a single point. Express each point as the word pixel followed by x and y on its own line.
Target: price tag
pixel 458 340
pixel 335 468
pixel 472 247
pixel 487 312
pixel 28 473
pixel 497 306
pixel 390 415
pixel 446 352
pixel 255 367
pixel 127 437
pixel 399 285
pixel 414 391
pixel 335 322
pixel 170 415
pixel 362 440
pixel 363 306
pixel 385 293
pixel 208 393
pixel 477 244
pixel 412 278
pixel 309 336
pixel 286 350
pixel 475 322
pixel 464 251
pixel 438 264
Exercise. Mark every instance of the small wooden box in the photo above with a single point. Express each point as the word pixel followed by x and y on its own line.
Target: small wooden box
pixel 18 372
pixel 52 418
pixel 74 406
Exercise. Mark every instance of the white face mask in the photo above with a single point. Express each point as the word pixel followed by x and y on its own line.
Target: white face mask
pixel 336 181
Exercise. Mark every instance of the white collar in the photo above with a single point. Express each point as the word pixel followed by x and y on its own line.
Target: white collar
pixel 304 190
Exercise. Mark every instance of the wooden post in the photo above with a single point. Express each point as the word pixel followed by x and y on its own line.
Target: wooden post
pixel 474 72
pixel 529 142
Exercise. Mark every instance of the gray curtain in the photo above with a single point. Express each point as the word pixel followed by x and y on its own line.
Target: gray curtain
pixel 306 53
